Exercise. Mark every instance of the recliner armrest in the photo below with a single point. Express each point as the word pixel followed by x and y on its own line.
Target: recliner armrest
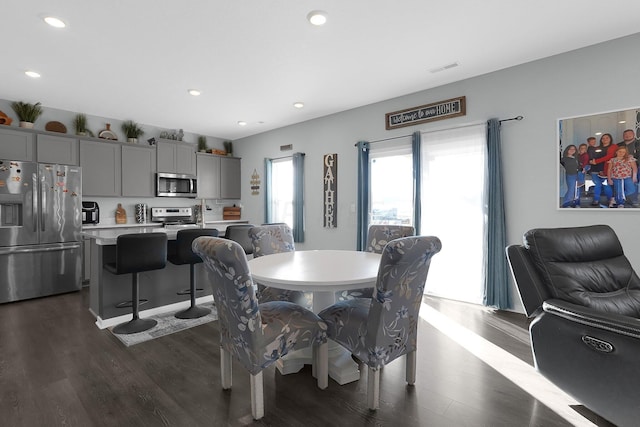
pixel 611 322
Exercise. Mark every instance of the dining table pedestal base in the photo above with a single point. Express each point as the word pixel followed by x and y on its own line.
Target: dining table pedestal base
pixel 342 368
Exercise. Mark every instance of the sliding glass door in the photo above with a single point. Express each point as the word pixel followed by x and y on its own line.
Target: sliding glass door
pixel 453 208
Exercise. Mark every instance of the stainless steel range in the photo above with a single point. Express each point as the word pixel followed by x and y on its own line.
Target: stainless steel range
pixel 174 218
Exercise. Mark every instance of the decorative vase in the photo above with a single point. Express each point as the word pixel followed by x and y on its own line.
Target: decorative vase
pixel 132 140
pixel 26 125
pixel 4 119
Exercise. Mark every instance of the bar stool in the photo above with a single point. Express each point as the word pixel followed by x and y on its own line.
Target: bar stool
pixel 135 253
pixel 180 253
pixel 240 233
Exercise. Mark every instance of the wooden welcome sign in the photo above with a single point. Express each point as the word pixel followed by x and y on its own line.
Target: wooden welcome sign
pixel 447 109
pixel 330 190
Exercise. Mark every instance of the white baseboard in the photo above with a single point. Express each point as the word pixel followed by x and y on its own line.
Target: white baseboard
pixel 112 321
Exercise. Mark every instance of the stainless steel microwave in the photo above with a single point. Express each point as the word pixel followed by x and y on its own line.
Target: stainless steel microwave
pixel 176 185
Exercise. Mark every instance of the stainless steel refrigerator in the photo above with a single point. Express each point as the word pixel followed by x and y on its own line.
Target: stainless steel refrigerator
pixel 40 226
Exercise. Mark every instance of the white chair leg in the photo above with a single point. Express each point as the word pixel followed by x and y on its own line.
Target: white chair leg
pixel 314 361
pixel 322 359
pixel 257 396
pixel 411 368
pixel 373 389
pixel 225 368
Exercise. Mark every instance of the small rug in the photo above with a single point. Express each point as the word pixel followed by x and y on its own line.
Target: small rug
pixel 167 324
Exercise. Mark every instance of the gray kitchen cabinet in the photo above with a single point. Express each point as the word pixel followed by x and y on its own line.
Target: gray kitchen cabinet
pixel 230 177
pixel 17 145
pixel 218 177
pixel 208 176
pixel 176 157
pixel 101 168
pixel 57 149
pixel 138 171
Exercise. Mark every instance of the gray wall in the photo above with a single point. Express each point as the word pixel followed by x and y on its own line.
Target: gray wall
pixel 595 79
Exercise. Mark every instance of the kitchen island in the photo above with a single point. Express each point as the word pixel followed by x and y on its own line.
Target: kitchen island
pixel 164 289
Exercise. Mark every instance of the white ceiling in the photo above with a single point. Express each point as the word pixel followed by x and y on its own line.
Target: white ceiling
pixel 252 59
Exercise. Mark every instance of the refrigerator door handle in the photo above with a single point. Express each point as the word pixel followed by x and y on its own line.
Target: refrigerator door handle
pixel 34 202
pixel 11 250
pixel 43 198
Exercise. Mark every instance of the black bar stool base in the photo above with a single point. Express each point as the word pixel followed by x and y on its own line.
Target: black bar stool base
pixel 193 312
pixel 135 326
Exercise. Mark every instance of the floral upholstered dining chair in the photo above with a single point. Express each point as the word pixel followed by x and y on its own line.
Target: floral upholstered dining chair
pixel 377 237
pixel 275 239
pixel 380 329
pixel 257 335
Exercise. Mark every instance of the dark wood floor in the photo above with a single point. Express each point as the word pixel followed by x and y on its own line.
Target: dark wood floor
pixel 57 368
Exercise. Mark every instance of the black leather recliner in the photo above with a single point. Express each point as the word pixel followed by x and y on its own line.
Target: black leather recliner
pixel 584 296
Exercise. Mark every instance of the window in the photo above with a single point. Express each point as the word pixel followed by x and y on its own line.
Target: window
pixel 391 185
pixel 282 191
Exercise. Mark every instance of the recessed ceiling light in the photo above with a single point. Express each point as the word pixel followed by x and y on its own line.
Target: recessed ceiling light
pixel 194 92
pixel 298 104
pixel 622 122
pixel 54 22
pixel 32 74
pixel 317 17
pixel 242 123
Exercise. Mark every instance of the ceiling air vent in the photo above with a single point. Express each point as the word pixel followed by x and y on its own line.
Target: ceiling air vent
pixel 444 67
pixel 286 147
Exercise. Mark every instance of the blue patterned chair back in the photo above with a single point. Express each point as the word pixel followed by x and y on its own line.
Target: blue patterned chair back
pixel 394 312
pixel 235 297
pixel 271 239
pixel 256 345
pixel 379 235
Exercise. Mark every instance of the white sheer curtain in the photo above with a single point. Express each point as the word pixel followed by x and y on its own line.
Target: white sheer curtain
pixel 453 208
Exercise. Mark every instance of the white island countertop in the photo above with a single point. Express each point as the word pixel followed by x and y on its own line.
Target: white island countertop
pixel 108 235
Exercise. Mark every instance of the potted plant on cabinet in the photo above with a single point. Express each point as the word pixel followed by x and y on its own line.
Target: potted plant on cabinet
pixel 228 147
pixel 202 144
pixel 80 123
pixel 132 130
pixel 27 113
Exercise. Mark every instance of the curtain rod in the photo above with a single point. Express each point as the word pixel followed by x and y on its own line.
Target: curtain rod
pixel 284 157
pixel 518 118
pixel 437 130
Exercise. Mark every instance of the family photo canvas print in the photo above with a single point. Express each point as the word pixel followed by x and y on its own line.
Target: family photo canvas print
pixel 599 161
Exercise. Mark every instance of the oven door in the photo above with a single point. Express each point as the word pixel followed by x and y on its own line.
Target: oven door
pixel 176 185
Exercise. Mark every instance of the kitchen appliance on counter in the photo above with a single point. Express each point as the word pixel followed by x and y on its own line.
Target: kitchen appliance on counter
pixel 90 213
pixel 174 218
pixel 176 185
pixel 40 226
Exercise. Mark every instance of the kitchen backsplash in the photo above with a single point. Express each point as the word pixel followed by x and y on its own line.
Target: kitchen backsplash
pixel 108 206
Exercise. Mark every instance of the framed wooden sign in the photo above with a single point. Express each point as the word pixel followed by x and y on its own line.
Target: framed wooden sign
pixel 330 190
pixel 446 109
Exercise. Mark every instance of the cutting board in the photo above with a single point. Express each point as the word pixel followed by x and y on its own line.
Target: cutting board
pixel 231 213
pixel 121 215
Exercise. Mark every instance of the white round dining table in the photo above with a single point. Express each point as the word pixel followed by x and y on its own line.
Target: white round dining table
pixel 323 272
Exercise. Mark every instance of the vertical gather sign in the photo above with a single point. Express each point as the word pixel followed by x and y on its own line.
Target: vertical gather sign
pixel 330 175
